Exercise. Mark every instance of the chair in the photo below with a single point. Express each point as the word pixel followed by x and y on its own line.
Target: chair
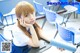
pixel 52 17
pixel 39 9
pixel 78 11
pixel 54 6
pixel 10 18
pixel 67 3
pixel 67 35
pixel 1 21
pixel 63 45
pixel 64 3
pixel 2 38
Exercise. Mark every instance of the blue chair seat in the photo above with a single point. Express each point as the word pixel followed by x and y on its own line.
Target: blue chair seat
pixel 52 17
pixel 77 34
pixel 59 19
pixel 68 35
pixel 1 21
pixel 39 9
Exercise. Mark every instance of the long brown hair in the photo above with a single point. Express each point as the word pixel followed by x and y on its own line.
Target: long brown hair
pixel 36 27
pixel 25 8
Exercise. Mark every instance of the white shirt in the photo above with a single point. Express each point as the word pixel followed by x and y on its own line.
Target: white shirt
pixel 20 39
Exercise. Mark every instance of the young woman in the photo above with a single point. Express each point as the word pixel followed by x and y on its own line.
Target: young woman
pixel 27 32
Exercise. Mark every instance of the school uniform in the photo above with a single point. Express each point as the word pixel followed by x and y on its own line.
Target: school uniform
pixel 19 41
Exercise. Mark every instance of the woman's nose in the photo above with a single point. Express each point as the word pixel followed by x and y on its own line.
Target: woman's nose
pixel 31 18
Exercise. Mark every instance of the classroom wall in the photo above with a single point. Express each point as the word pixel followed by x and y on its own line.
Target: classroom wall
pixel 7 5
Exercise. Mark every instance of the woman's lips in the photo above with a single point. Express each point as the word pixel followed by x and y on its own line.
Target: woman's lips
pixel 31 22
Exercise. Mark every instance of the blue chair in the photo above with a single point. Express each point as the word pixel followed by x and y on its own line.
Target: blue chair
pixel 67 35
pixel 65 46
pixel 67 3
pixel 9 19
pixel 54 6
pixel 39 9
pixel 1 17
pixel 2 38
pixel 52 17
pixel 78 11
pixel 63 1
pixel 1 21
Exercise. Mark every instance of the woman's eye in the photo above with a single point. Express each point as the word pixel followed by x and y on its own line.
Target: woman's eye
pixel 26 15
pixel 31 13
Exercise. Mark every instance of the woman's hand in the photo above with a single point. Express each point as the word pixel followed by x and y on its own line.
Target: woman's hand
pixel 24 24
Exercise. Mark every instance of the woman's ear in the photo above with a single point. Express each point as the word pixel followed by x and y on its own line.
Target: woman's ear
pixel 18 19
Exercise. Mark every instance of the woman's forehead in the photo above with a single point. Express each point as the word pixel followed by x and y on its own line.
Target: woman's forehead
pixel 28 14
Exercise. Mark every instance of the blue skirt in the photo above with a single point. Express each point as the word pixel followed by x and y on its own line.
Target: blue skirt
pixel 20 49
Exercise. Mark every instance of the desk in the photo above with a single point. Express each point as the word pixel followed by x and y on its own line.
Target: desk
pixel 70 9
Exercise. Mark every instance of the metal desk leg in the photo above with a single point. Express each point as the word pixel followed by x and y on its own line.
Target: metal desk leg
pixel 68 18
pixel 44 22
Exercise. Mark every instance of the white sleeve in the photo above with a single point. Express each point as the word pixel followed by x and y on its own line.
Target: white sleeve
pixel 7 33
pixel 20 36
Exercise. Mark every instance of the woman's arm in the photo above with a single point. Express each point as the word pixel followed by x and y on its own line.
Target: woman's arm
pixel 34 41
pixel 43 35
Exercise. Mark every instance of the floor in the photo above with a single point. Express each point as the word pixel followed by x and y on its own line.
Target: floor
pixel 51 30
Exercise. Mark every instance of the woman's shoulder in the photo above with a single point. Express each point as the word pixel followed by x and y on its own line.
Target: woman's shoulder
pixel 12 27
pixel 8 27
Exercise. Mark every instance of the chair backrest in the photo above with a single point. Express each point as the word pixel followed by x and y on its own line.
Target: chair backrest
pixel 65 34
pixel 38 7
pixel 1 17
pixel 50 15
pixel 2 38
pixel 63 2
pixel 1 21
pixel 69 47
pixel 9 19
pixel 78 7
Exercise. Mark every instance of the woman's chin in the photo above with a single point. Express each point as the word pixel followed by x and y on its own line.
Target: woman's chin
pixel 32 22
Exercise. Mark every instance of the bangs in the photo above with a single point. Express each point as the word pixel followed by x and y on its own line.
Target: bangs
pixel 27 9
pixel 24 8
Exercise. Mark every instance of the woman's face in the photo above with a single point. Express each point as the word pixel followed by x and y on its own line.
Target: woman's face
pixel 29 19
